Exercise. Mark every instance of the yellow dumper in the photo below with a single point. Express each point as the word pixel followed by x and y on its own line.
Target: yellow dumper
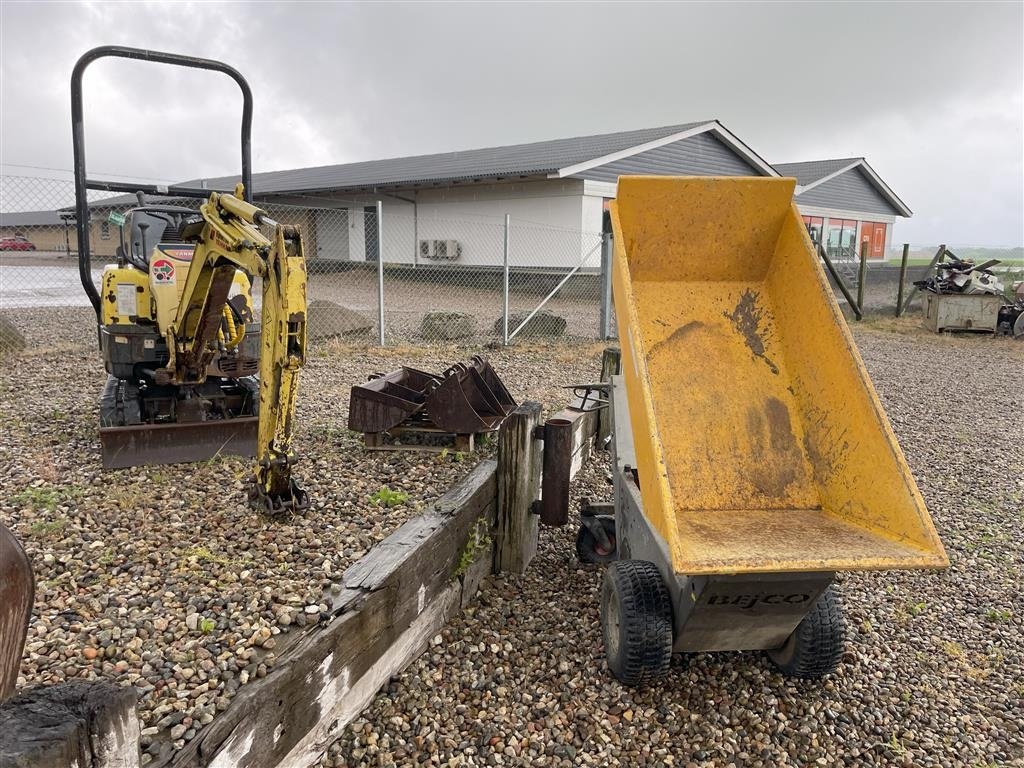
pixel 753 459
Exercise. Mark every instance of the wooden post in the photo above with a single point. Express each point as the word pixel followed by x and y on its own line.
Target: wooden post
pixel 903 277
pixel 519 463
pixel 56 726
pixel 862 272
pixel 939 256
pixel 611 365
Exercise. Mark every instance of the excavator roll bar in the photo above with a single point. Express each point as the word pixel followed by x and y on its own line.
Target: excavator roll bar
pixel 83 183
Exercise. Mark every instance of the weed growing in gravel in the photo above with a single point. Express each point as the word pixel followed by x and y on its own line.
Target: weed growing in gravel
pixel 45 529
pixel 478 541
pixel 206 626
pixel 203 555
pixel 998 616
pixel 916 609
pixel 385 497
pixel 45 498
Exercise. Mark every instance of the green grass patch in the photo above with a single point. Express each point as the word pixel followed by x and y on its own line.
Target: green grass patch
pixel 388 498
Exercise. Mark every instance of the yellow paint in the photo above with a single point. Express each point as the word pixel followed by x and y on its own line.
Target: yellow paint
pixel 761 445
pixel 118 284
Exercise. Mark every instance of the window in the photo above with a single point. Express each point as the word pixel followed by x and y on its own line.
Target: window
pixel 842 239
pixel 104 230
pixel 815 225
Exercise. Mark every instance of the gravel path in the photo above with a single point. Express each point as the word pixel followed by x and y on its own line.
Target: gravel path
pixel 933 674
pixel 162 577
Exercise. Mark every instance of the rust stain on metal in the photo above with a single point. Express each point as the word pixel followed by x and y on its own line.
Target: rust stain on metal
pixel 746 319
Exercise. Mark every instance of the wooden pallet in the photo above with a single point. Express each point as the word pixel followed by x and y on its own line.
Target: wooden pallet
pixel 434 440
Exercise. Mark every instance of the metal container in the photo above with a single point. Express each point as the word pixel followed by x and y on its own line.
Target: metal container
pixel 962 312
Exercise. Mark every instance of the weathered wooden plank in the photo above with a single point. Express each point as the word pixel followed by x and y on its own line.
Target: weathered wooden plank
pixel 71 725
pixel 584 427
pixel 611 365
pixel 342 700
pixel 378 600
pixel 519 459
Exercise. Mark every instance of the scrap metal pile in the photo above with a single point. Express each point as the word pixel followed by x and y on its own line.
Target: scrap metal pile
pixel 957 276
pixel 961 276
pixel 462 400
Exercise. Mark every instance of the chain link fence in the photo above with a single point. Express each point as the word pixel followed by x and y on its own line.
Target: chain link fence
pixel 379 269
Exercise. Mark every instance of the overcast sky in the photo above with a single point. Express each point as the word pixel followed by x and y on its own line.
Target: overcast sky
pixel 931 94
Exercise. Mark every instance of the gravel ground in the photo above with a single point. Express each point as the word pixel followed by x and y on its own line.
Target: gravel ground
pixel 932 674
pixel 162 577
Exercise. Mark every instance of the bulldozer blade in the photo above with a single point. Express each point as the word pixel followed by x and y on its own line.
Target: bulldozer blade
pixel 147 444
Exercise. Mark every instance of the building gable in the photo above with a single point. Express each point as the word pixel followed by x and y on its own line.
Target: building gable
pixel 849 191
pixel 701 155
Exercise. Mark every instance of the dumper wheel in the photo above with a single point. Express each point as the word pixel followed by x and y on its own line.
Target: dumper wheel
pixel 589 549
pixel 816 645
pixel 636 621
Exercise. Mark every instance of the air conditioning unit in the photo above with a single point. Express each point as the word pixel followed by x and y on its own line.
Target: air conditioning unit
pixel 440 250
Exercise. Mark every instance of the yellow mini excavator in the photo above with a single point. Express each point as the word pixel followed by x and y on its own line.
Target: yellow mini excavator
pixel 176 322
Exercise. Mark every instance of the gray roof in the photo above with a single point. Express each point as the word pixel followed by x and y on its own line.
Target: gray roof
pixel 536 158
pixel 809 172
pixel 31 219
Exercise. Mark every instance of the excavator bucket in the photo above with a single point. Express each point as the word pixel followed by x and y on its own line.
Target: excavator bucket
pixel 387 400
pixel 470 399
pixel 761 445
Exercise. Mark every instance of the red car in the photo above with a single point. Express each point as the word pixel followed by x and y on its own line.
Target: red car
pixel 16 243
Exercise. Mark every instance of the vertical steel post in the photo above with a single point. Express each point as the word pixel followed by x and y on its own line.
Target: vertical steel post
pixel 862 275
pixel 605 329
pixel 903 277
pixel 380 270
pixel 504 314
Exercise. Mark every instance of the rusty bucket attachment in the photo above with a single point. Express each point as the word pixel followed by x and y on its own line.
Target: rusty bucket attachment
pixel 388 399
pixel 470 399
pixel 465 399
pixel 17 591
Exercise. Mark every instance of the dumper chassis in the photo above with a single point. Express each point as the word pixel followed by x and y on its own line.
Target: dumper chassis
pixel 649 612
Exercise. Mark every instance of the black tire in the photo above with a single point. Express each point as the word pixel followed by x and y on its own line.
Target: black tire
pixel 816 645
pixel 587 548
pixel 636 621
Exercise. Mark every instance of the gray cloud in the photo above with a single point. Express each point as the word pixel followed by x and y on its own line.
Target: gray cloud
pixel 931 94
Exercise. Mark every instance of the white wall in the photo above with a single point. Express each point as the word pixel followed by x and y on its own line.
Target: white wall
pixel 547 217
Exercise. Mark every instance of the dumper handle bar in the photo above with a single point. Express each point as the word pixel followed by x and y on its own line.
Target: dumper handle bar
pixel 83 183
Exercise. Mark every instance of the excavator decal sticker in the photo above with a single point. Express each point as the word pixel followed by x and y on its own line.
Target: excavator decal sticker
pixel 163 272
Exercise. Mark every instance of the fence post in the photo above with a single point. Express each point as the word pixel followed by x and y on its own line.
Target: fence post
pixel 936 259
pixel 504 314
pixel 862 271
pixel 519 465
pixel 903 277
pixel 611 365
pixel 605 330
pixel 380 271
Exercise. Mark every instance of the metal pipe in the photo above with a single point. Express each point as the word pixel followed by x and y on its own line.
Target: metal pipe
pixel 554 495
pixel 605 329
pixel 839 280
pixel 78 140
pixel 554 290
pixel 380 270
pixel 862 273
pixel 504 314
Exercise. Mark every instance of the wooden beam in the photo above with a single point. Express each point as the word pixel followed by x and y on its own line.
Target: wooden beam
pixel 386 606
pixel 80 724
pixel 519 462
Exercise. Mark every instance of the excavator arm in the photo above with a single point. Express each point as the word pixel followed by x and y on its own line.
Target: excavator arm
pixel 229 238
